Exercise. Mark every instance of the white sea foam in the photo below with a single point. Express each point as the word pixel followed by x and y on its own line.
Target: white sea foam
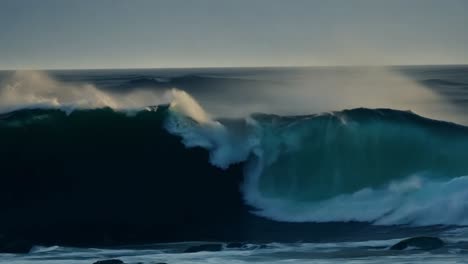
pixel 295 253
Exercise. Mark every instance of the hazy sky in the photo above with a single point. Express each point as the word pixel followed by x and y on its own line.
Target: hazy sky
pixel 200 33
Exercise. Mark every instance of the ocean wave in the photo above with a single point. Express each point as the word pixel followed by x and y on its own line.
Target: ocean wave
pixel 381 166
pixel 376 165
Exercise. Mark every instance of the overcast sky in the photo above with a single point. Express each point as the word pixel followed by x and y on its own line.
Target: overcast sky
pixel 49 34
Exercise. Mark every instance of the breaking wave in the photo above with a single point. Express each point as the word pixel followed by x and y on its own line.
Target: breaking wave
pixel 375 165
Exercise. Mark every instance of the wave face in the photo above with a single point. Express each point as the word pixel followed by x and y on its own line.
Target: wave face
pixel 104 177
pixel 372 165
pixel 382 166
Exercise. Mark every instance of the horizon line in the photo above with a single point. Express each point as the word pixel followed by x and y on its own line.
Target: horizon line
pixel 236 67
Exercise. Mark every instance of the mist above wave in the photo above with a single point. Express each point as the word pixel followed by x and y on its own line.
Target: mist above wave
pixel 33 89
pixel 282 92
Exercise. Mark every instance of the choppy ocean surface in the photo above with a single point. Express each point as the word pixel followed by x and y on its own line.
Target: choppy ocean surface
pixel 376 251
pixel 303 165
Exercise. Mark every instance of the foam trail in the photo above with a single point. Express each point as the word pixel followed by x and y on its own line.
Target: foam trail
pixel 418 205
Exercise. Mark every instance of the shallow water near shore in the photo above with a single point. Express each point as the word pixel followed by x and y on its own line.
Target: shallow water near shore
pixel 377 251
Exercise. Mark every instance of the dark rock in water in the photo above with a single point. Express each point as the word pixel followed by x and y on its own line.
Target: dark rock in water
pixel 14 246
pixel 263 246
pixel 109 261
pixel 246 246
pixel 422 243
pixel 206 247
pixel 235 245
